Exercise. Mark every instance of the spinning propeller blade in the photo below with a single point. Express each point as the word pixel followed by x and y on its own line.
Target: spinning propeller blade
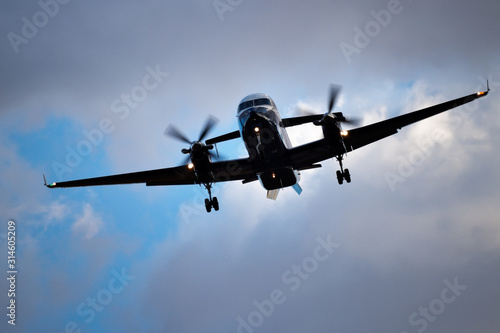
pixel 173 132
pixel 209 125
pixel 334 92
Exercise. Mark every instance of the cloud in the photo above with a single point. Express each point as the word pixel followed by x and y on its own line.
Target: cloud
pixel 201 274
pixel 89 223
pixel 55 212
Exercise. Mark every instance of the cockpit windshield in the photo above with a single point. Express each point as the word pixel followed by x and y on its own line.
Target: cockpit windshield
pixel 262 101
pixel 255 102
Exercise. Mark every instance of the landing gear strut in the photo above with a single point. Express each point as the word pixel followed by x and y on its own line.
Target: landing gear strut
pixel 211 203
pixel 342 174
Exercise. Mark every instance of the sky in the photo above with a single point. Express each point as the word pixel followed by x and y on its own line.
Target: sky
pixel 88 89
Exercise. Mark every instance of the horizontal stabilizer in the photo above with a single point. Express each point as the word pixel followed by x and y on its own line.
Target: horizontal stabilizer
pixel 307 167
pixel 248 180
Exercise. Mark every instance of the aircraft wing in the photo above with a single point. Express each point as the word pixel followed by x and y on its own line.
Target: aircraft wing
pixel 180 175
pixel 362 136
pixel 294 121
pixel 307 155
pixel 225 137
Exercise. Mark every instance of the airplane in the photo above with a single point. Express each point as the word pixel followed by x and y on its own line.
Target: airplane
pixel 271 157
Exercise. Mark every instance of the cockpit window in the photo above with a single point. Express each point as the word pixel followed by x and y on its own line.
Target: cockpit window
pixel 262 101
pixel 245 105
pixel 255 102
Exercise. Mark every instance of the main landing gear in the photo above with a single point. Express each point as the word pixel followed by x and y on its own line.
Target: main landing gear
pixel 211 202
pixel 342 174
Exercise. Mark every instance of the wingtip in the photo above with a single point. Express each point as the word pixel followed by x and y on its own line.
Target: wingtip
pixel 48 185
pixel 484 93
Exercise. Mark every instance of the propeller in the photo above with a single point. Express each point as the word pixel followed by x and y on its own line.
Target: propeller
pixel 209 125
pixel 334 92
pixel 194 146
pixel 173 132
pixel 336 116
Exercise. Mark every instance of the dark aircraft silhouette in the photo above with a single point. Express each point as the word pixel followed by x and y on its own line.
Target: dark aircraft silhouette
pixel 272 160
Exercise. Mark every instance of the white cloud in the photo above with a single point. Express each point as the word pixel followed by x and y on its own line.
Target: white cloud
pixel 396 246
pixel 89 223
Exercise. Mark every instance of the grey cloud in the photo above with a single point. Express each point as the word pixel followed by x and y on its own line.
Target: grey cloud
pixel 397 247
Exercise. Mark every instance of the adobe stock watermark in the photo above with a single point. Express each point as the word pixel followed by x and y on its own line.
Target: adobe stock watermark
pixel 425 148
pixel 30 27
pixel 407 165
pixel 428 314
pixel 223 6
pixel 373 28
pixel 292 280
pixel 95 304
pixel 121 107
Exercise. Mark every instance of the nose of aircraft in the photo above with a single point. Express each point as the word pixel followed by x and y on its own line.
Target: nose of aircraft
pixel 253 114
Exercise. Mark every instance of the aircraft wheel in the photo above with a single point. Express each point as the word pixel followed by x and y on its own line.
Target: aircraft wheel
pixel 208 205
pixel 347 175
pixel 215 204
pixel 340 177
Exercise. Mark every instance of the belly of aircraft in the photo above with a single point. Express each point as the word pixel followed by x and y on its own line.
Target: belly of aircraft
pixel 262 139
pixel 278 178
pixel 268 153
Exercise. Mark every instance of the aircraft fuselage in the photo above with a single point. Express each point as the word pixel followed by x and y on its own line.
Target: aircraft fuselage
pixel 266 141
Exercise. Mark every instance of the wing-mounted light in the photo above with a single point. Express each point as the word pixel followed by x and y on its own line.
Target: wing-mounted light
pixel 484 93
pixel 48 185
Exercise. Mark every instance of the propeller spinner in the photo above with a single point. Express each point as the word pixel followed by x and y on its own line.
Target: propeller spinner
pixel 334 116
pixel 197 146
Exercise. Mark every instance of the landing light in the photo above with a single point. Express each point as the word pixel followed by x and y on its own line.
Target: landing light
pixel 256 129
pixel 190 166
pixel 343 133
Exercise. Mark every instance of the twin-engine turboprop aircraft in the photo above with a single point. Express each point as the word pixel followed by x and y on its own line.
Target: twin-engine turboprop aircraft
pixel 272 159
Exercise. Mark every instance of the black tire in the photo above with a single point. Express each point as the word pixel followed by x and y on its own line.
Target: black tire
pixel 208 205
pixel 215 204
pixel 347 175
pixel 340 177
